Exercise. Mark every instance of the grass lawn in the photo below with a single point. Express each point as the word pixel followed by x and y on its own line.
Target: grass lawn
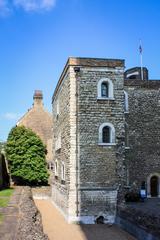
pixel 4 199
pixel 6 193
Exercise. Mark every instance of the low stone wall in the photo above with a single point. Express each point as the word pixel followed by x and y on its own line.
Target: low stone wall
pixel 140 223
pixel 30 223
pixel 42 192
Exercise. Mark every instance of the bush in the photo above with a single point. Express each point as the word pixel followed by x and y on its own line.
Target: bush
pixel 132 197
pixel 26 157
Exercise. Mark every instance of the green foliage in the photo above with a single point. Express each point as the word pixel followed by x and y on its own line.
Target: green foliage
pixel 2 146
pixel 26 157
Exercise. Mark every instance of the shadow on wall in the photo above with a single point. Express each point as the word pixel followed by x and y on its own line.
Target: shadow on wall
pixel 4 176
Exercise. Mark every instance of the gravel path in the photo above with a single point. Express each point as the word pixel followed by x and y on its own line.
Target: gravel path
pixel 58 229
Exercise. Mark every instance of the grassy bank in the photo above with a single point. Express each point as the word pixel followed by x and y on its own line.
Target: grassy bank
pixel 4 200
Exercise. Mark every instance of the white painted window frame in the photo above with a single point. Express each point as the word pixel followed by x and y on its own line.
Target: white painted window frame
pixel 110 89
pixel 112 134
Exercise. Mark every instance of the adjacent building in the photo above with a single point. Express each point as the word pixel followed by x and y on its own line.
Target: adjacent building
pixel 40 121
pixel 143 131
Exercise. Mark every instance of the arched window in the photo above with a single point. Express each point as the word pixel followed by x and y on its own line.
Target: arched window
pixel 105 89
pixel 125 101
pixel 153 185
pixel 106 134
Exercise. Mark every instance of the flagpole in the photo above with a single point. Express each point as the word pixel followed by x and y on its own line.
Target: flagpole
pixel 141 59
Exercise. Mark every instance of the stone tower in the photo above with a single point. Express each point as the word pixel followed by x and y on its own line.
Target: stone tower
pixel 88 144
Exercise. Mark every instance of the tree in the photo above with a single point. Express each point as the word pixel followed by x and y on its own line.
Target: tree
pixel 26 157
pixel 2 145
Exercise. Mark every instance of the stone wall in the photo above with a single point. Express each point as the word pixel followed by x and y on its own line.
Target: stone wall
pixel 100 166
pixel 143 119
pixel 61 129
pixel 30 222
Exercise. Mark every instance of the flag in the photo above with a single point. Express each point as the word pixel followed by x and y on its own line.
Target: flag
pixel 140 49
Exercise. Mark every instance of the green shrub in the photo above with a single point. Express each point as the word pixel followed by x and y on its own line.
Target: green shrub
pixel 26 157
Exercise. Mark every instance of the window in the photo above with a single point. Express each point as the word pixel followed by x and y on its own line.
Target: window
pixel 57 107
pixel 106 134
pixel 62 173
pixel 125 102
pixel 56 169
pixel 50 166
pixel 105 89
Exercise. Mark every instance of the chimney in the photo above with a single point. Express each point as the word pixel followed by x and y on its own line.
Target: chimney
pixel 38 97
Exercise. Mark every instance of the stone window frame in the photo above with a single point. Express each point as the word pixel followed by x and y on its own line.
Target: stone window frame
pixel 110 89
pixel 112 134
pixel 148 184
pixel 126 105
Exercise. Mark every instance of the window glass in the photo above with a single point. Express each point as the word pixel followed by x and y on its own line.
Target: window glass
pixel 104 89
pixel 106 135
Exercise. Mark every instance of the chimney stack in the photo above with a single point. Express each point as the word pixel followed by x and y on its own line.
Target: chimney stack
pixel 38 97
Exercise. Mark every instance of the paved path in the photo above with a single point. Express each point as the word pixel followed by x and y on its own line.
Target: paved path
pixel 57 228
pixel 151 206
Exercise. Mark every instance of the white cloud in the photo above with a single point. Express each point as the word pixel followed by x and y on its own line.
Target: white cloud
pixel 11 116
pixel 35 5
pixel 4 8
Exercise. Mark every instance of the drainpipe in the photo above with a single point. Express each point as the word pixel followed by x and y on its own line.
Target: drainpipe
pixel 77 71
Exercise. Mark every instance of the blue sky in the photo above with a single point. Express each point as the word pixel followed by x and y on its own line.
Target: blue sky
pixel 37 37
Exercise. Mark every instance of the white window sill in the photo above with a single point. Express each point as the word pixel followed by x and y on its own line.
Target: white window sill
pixel 127 148
pixel 105 99
pixel 126 112
pixel 106 144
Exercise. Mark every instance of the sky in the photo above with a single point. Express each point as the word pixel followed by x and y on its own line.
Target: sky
pixel 37 37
